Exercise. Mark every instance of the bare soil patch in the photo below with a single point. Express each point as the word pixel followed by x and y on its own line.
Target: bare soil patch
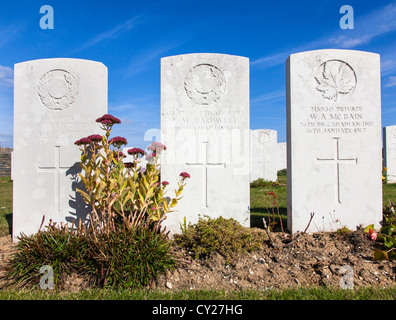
pixel 313 260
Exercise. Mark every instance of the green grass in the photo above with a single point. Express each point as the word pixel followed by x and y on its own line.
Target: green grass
pixel 271 294
pixel 260 205
pixel 5 206
pixel 260 202
pixel 389 193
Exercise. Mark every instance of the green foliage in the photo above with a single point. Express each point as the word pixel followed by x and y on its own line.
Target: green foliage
pixel 55 247
pixel 282 173
pixel 218 235
pixel 385 175
pixel 260 183
pixel 127 258
pixel 343 231
pixel 5 205
pixel 122 258
pixel 123 244
pixel 118 192
pixel 387 234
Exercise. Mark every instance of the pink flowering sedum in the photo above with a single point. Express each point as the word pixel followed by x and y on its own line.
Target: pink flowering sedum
pixel 136 151
pixel 111 191
pixel 83 141
pixel 108 119
pixel 184 175
pixel 118 141
pixel 95 137
pixel 156 147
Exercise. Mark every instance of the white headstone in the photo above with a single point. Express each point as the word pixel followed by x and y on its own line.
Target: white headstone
pixel 389 137
pixel 56 102
pixel 205 127
pixel 263 154
pixel 282 155
pixel 334 140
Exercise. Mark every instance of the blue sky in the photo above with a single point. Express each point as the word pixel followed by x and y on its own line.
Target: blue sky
pixel 130 38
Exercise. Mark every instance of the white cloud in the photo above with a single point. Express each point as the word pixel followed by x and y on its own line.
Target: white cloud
pixel 391 82
pixel 271 97
pixel 6 76
pixel 271 60
pixel 117 30
pixel 145 59
pixel 112 33
pixel 388 63
pixel 367 27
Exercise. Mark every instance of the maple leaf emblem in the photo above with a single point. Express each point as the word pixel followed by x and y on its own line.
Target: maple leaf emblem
pixel 335 78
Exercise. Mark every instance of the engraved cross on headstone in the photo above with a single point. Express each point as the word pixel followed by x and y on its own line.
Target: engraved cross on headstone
pixel 57 169
pixel 337 161
pixel 204 165
pixel 263 162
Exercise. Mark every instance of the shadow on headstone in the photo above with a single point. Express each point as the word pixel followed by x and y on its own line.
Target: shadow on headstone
pixel 79 209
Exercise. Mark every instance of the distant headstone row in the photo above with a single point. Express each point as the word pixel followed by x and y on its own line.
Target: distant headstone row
pixel 333 153
pixel 5 162
pixel 389 151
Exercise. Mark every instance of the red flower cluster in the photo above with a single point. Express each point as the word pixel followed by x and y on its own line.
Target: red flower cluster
pixel 136 151
pixel 95 138
pixel 184 175
pixel 165 183
pixel 156 146
pixel 108 119
pixel 83 141
pixel 118 141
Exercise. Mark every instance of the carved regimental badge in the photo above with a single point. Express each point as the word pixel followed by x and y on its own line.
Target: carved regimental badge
pixel 57 89
pixel 335 79
pixel 263 138
pixel 204 84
